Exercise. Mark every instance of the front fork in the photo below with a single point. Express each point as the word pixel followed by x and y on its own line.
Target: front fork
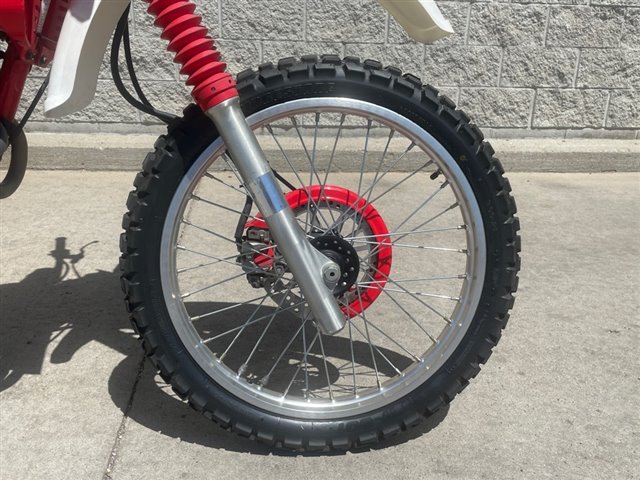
pixel 316 274
pixel 214 90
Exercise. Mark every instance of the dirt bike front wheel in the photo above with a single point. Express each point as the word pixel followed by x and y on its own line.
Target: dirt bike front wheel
pixel 386 178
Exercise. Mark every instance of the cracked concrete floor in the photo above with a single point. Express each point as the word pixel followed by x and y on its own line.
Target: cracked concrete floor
pixel 558 398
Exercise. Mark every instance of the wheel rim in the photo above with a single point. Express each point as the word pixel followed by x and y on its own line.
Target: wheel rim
pixel 254 344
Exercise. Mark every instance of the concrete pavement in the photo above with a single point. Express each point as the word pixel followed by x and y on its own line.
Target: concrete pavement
pixel 559 398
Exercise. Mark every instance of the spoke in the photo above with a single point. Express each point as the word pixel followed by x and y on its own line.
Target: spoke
pixel 410 316
pixel 389 168
pixel 209 202
pixel 226 309
pixel 208 255
pixel 357 222
pixel 387 277
pixel 246 324
pixel 312 159
pixel 450 207
pixel 236 189
pixel 353 360
pixel 397 184
pixel 210 232
pixel 395 162
pixel 306 365
pixel 333 151
pixel 421 294
pixel 208 264
pixel 368 337
pixel 286 157
pixel 323 184
pixel 394 186
pixel 227 259
pixel 293 169
pixel 422 205
pixel 368 323
pixel 304 145
pixel 265 380
pixel 412 232
pixel 377 349
pixel 373 184
pixel 392 132
pixel 326 368
pixel 185 249
pixel 421 247
pixel 364 156
pixel 428 279
pixel 312 162
pixel 232 167
pixel 295 375
pixel 189 294
pixel 306 225
pixel 264 332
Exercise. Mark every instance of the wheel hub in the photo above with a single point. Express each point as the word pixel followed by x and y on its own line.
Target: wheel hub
pixel 362 278
pixel 344 255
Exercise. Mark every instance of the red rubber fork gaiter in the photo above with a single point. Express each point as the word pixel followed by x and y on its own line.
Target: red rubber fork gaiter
pixel 194 50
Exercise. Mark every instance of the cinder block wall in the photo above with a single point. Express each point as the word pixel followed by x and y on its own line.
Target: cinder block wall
pixel 557 68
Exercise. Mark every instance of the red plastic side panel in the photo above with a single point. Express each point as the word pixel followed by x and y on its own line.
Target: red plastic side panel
pixel 19 19
pixel 13 76
pixel 18 22
pixel 12 19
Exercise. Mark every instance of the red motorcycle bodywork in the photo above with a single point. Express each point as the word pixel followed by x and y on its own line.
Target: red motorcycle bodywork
pixel 19 20
pixel 18 23
pixel 19 27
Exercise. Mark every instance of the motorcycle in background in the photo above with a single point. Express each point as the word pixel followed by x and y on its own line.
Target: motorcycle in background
pixel 317 254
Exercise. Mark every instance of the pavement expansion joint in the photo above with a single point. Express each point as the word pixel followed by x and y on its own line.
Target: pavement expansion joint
pixel 113 455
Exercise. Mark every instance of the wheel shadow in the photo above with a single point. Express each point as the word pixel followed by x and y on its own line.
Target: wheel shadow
pixel 157 408
pixel 57 306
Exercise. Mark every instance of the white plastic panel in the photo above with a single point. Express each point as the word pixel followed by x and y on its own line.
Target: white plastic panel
pixel 422 19
pixel 85 33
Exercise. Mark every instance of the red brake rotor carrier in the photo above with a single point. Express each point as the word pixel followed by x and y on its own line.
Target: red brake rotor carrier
pixel 379 238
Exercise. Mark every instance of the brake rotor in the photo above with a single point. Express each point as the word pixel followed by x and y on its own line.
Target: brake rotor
pixel 364 273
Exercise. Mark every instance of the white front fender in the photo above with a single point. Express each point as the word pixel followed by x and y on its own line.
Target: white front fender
pixel 83 40
pixel 422 19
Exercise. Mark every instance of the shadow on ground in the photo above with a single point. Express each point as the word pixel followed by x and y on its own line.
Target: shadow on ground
pixel 57 308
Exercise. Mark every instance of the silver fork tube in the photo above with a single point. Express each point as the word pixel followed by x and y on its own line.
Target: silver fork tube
pixel 316 274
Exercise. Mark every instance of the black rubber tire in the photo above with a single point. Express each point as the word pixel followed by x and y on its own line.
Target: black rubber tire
pixel 291 79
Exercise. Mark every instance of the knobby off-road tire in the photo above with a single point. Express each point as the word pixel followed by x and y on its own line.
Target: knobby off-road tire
pixel 175 153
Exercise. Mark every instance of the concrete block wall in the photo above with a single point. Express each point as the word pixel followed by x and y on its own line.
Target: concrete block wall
pixel 549 68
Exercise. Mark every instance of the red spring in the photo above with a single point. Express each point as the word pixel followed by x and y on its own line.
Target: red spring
pixel 194 50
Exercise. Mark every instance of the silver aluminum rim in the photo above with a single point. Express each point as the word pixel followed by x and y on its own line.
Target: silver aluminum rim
pixel 393 389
